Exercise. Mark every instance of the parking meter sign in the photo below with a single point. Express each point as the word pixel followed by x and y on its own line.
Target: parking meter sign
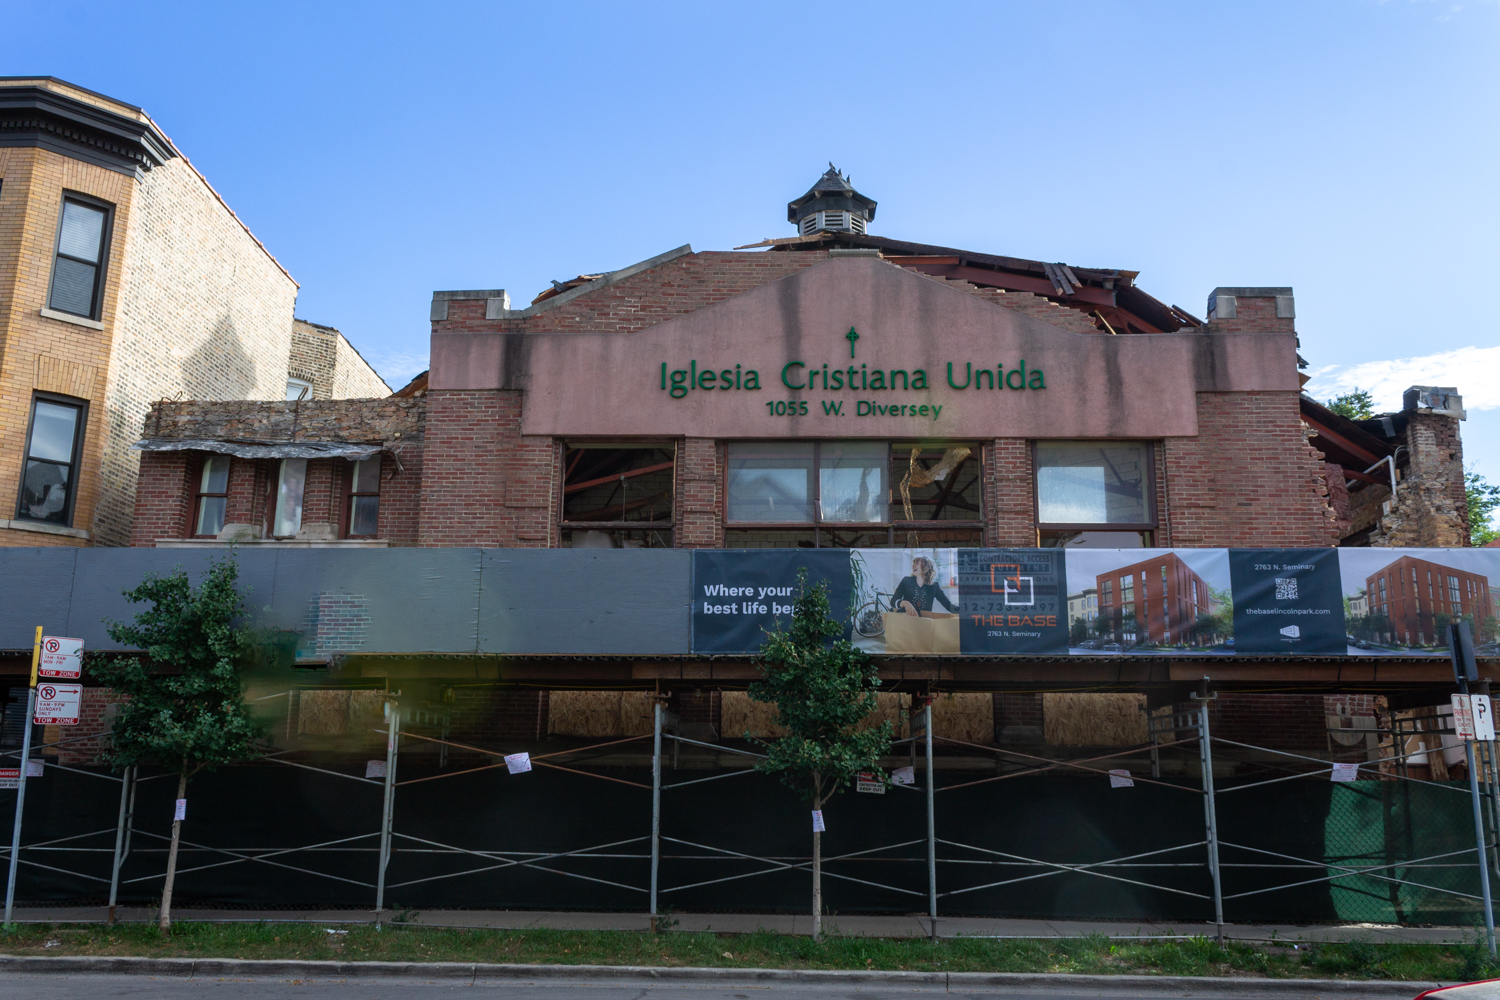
pixel 57 704
pixel 60 658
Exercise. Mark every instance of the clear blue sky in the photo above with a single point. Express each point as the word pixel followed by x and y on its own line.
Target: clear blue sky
pixel 381 151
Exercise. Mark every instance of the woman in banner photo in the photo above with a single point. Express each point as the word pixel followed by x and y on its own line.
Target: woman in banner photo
pixel 915 593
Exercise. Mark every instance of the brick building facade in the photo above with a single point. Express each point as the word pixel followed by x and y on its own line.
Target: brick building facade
pixel 703 400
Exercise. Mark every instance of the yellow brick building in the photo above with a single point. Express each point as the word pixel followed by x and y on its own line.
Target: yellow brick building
pixel 124 279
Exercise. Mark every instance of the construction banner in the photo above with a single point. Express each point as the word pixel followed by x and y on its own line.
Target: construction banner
pixel 1109 602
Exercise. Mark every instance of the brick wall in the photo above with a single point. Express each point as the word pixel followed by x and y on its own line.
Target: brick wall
pixel 1249 479
pixel 700 503
pixel 1294 722
pixel 323 356
pixel 1018 718
pixel 672 289
pixel 164 497
pixel 1430 509
pixel 1008 493
pixel 463 461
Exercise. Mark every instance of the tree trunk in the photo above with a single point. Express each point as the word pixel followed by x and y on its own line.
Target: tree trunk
pixel 817 876
pixel 165 922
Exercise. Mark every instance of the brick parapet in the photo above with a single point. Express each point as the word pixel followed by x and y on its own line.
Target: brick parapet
pixel 338 421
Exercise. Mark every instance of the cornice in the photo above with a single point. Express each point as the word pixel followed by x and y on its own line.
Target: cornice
pixel 36 116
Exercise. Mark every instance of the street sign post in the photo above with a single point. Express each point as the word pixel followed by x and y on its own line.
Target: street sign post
pixel 15 832
pixel 61 658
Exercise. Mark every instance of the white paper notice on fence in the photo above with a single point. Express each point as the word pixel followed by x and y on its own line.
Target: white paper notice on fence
pixel 1484 717
pixel 1120 778
pixel 1345 772
pixel 35 767
pixel 516 763
pixel 10 777
pixel 869 782
pixel 903 776
pixel 180 813
pixel 817 821
pixel 374 769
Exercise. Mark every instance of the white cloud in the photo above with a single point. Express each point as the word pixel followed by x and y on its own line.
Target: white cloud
pixel 1474 370
pixel 399 367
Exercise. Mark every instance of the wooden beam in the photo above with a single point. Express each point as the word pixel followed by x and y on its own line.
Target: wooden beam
pixel 575 487
pixel 1363 454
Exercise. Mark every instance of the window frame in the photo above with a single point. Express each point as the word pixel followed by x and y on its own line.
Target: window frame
pixel 101 268
pixel 346 525
pixel 76 455
pixel 818 525
pixel 199 495
pixel 277 477
pixel 1148 479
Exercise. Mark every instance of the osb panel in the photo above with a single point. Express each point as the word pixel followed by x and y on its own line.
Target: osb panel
pixel 635 713
pixel 1094 720
pixel 968 716
pixel 741 715
pixel 584 713
pixel 323 713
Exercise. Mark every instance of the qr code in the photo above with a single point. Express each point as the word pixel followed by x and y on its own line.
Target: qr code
pixel 1286 588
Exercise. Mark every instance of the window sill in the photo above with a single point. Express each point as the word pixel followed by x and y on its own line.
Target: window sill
pixel 275 543
pixel 44 528
pixel 63 317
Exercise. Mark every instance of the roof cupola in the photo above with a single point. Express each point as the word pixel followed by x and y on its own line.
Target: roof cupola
pixel 832 204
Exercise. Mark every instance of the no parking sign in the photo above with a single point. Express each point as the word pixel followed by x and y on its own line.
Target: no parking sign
pixel 57 704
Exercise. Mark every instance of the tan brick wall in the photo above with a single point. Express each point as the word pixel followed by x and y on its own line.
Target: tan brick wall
pixel 353 378
pixel 204 313
pixel 41 353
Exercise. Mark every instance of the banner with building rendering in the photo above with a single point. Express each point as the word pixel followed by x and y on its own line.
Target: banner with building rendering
pixel 1110 602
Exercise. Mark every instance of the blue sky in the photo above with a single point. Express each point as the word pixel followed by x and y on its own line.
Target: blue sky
pixel 1347 148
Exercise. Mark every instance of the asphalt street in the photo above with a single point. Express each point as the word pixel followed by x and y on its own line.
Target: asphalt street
pixel 98 987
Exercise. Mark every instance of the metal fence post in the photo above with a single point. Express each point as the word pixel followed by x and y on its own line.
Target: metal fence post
pixel 1465 669
pixel 15 834
pixel 127 795
pixel 655 806
pixel 1210 813
pixel 393 728
pixel 931 832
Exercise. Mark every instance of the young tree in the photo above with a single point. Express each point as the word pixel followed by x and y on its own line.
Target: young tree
pixel 1356 404
pixel 822 691
pixel 1483 498
pixel 182 704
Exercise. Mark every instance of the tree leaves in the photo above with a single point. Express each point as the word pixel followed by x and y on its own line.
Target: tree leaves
pixel 183 706
pixel 822 690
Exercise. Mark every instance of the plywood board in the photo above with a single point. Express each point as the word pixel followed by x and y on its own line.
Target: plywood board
pixel 1094 720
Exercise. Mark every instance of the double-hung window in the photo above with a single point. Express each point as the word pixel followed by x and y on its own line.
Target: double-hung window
pixel 1094 493
pixel 213 495
pixel 78 266
pixel 54 438
pixel 364 497
pixel 291 480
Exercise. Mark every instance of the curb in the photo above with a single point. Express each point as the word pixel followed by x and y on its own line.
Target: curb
pixel 472 971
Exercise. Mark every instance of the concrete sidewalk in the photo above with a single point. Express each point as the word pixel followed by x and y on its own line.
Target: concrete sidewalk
pixel 911 925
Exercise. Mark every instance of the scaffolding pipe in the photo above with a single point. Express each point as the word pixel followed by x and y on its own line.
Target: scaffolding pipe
pixel 1461 644
pixel 127 791
pixel 931 831
pixel 655 806
pixel 15 833
pixel 393 722
pixel 1210 814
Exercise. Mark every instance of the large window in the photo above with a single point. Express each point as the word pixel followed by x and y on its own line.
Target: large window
pixel 78 268
pixel 364 497
pixel 848 494
pixel 1094 492
pixel 53 440
pixel 213 495
pixel 618 495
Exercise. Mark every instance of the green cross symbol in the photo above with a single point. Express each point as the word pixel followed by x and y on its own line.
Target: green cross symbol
pixel 851 336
